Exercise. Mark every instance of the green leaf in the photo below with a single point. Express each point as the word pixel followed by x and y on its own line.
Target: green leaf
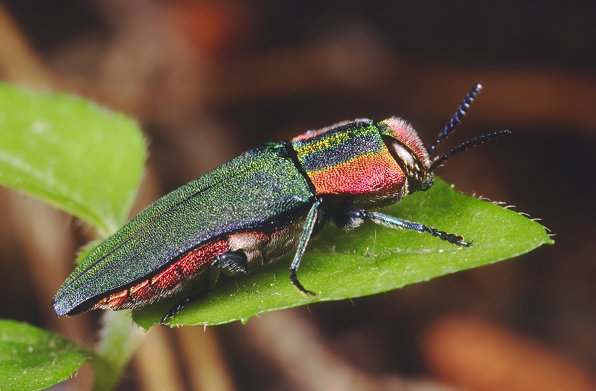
pixel 370 259
pixel 34 359
pixel 72 153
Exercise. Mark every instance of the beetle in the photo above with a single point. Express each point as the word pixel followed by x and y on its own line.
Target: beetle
pixel 258 207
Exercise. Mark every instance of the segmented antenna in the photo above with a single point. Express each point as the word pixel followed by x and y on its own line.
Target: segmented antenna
pixel 467 145
pixel 457 117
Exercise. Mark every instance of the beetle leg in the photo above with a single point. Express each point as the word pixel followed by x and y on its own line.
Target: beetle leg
pixel 177 307
pixel 309 225
pixel 394 222
pixel 231 264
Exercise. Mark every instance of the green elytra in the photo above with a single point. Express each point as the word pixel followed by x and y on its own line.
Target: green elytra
pixel 249 192
pixel 281 191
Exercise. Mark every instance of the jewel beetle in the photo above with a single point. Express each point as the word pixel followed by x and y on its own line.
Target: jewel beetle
pixel 257 208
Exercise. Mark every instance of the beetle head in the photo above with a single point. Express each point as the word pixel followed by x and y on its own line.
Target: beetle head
pixel 408 151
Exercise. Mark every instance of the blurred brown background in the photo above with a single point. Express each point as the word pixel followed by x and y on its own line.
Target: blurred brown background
pixel 209 79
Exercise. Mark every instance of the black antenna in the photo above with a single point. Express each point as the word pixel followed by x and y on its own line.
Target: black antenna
pixel 457 117
pixel 467 145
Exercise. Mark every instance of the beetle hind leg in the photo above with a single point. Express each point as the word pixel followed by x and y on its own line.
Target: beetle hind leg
pixel 177 307
pixel 230 264
pixel 356 216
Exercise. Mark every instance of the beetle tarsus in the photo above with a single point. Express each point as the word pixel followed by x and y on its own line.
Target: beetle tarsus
pixel 451 238
pixel 298 285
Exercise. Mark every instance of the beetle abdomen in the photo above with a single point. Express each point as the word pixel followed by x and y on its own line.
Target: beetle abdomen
pixel 260 247
pixel 166 282
pixel 259 190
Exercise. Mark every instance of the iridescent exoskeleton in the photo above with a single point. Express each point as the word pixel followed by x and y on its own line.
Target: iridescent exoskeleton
pixel 257 208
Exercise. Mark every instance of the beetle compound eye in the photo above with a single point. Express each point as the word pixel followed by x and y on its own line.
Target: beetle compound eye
pixel 404 155
pixel 408 161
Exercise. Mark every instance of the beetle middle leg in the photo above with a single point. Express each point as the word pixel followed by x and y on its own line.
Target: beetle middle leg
pixel 230 264
pixel 358 215
pixel 309 226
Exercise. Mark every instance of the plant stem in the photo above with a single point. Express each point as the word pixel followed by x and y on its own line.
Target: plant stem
pixel 119 339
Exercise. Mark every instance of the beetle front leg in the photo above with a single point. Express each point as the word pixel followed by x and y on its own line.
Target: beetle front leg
pixel 356 216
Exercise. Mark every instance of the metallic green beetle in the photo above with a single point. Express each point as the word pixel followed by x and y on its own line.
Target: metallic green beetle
pixel 258 207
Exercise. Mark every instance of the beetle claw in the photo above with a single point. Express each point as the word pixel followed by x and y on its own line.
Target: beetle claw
pixel 299 286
